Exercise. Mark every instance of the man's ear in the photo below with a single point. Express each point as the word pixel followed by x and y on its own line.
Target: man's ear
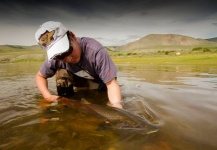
pixel 72 35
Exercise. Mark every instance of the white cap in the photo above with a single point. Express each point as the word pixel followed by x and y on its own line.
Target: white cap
pixel 52 37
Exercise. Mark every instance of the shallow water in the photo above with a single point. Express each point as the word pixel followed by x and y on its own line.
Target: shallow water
pixel 182 100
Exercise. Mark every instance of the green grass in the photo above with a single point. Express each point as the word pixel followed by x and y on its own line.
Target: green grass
pixel 15 54
pixel 183 59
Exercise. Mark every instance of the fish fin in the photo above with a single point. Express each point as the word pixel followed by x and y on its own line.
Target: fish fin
pixel 147 113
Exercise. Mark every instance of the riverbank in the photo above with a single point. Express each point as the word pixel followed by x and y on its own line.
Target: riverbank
pixel 20 56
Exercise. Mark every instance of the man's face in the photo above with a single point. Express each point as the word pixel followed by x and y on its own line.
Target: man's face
pixel 75 55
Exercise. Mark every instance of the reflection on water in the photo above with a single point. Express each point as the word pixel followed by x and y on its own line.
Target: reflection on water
pixel 182 99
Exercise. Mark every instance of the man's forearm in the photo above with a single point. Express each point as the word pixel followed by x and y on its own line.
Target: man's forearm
pixel 114 94
pixel 42 85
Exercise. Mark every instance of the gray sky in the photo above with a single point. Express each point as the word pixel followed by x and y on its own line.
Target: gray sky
pixel 112 22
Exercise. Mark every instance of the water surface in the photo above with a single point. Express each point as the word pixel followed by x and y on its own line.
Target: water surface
pixel 182 99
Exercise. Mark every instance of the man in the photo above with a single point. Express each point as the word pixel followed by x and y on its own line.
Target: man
pixel 76 61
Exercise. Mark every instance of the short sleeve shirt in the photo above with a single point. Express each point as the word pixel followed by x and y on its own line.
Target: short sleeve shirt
pixel 95 63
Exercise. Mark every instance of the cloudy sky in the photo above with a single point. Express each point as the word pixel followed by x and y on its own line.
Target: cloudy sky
pixel 112 22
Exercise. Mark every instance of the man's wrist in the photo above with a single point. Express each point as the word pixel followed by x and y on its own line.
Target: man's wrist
pixel 116 103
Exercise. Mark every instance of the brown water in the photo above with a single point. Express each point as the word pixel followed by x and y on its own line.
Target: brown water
pixel 183 98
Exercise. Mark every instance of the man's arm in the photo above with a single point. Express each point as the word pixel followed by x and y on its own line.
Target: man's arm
pixel 42 85
pixel 114 93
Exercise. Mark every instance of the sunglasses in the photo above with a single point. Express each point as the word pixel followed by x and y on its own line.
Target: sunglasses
pixel 65 54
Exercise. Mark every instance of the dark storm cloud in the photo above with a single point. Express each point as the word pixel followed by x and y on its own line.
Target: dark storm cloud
pixel 15 11
pixel 111 20
pixel 93 7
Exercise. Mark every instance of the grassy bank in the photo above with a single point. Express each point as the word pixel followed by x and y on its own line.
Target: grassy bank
pixel 136 59
pixel 14 54
pixel 209 58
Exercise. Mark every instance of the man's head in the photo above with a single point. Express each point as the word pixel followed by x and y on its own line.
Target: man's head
pixel 53 37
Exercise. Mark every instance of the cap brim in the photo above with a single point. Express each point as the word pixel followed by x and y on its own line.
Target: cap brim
pixel 61 46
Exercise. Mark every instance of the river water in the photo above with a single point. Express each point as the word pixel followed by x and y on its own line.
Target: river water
pixel 181 98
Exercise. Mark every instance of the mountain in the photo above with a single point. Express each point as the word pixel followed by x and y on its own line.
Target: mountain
pixel 17 48
pixel 212 39
pixel 156 42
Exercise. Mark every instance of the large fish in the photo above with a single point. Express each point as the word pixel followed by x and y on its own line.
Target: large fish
pixel 113 117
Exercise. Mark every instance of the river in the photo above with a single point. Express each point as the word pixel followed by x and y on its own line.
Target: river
pixel 181 98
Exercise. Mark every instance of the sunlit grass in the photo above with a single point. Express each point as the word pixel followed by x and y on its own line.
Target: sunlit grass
pixel 34 54
pixel 21 55
pixel 183 59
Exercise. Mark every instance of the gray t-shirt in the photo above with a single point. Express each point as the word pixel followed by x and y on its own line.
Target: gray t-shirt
pixel 95 63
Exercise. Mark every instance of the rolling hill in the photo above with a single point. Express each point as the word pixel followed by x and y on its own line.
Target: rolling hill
pixel 212 39
pixel 17 48
pixel 156 42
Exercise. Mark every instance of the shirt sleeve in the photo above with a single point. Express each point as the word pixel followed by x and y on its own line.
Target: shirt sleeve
pixel 47 69
pixel 105 67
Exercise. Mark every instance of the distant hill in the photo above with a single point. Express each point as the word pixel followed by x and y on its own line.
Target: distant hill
pixel 17 53
pixel 17 48
pixel 212 39
pixel 149 43
pixel 156 42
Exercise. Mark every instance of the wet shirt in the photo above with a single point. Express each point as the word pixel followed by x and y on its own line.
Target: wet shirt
pixel 95 63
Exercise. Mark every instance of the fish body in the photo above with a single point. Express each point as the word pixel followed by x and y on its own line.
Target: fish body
pixel 115 117
pixel 122 119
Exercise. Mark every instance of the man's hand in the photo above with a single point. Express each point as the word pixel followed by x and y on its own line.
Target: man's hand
pixel 42 85
pixel 116 105
pixel 51 98
pixel 47 102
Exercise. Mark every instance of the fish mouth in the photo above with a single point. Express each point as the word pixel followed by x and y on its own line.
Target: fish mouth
pixel 138 129
pixel 152 131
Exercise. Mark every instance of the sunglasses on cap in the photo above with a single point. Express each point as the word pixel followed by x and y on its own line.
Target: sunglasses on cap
pixel 67 53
